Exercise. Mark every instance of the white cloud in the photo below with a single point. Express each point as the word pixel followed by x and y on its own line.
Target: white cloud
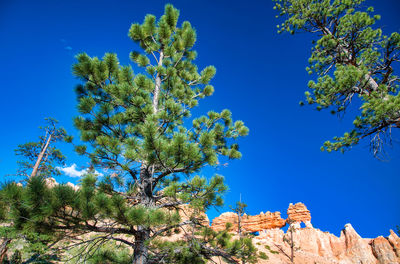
pixel 71 171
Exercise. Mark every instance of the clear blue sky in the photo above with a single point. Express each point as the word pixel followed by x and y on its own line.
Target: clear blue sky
pixel 261 77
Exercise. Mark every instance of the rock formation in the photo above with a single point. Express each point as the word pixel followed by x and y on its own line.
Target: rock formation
pixel 313 245
pixel 249 223
pixel 51 183
pixel 298 213
pixel 262 222
pixel 219 223
pixel 394 240
pixel 383 251
pixel 256 223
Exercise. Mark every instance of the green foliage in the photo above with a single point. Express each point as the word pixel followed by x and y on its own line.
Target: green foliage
pixel 240 208
pixel 136 128
pixel 267 247
pixel 263 255
pixel 26 246
pixel 52 157
pixel 105 253
pixel 351 61
pixel 205 239
pixel 122 119
pixel 108 256
pixel 16 257
pixel 179 252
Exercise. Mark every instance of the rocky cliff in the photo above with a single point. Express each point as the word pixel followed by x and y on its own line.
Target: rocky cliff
pixel 311 244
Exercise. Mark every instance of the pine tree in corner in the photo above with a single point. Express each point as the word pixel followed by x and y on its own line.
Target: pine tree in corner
pixel 353 64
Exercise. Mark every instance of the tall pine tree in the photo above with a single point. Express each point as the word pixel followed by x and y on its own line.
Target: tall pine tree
pixel 135 124
pixel 138 129
pixel 352 61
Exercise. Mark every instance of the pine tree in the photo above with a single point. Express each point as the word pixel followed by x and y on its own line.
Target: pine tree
pixel 240 210
pixel 288 239
pixel 138 129
pixel 42 157
pixel 351 59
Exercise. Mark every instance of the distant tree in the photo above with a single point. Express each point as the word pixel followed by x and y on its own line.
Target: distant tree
pixel 139 129
pixel 42 157
pixel 351 59
pixel 288 239
pixel 239 209
pixel 39 159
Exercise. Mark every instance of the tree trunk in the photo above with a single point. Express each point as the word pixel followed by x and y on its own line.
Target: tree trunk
pixel 239 225
pixel 157 84
pixel 140 251
pixel 40 157
pixel 4 249
pixel 291 246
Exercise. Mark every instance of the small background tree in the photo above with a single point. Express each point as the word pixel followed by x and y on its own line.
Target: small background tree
pixel 240 210
pixel 288 239
pixel 39 160
pixel 42 157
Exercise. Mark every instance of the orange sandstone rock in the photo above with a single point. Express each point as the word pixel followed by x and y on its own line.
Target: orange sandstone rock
pixel 263 221
pixel 394 240
pixel 219 223
pixel 298 213
pixel 249 223
pixel 186 213
pixel 383 251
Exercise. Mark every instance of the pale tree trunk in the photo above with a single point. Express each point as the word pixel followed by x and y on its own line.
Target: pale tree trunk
pixel 40 157
pixel 157 87
pixel 371 82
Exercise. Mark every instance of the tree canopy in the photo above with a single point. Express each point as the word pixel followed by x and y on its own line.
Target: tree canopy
pixel 353 63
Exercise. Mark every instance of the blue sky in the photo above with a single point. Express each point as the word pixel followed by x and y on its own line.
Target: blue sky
pixel 261 77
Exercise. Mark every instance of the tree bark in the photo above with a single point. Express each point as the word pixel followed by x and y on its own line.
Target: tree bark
pixel 140 250
pixel 40 157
